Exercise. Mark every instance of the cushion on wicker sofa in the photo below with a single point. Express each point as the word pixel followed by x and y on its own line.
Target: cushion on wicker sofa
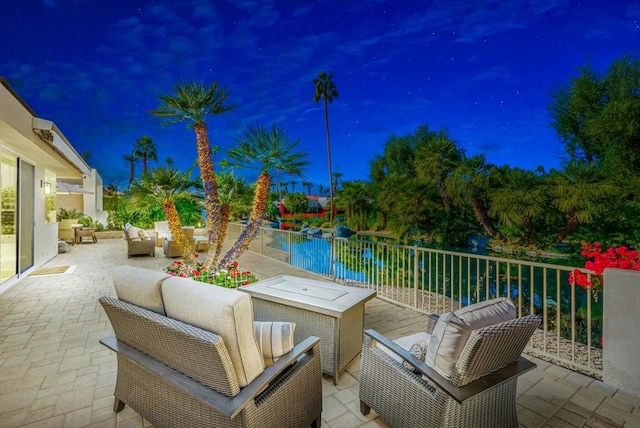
pixel 223 311
pixel 452 331
pixel 407 343
pixel 140 287
pixel 274 339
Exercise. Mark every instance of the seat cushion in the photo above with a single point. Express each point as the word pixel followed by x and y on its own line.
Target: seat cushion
pixel 452 331
pixel 274 339
pixel 140 287
pixel 225 312
pixel 406 342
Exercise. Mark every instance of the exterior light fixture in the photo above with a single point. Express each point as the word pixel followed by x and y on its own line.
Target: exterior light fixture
pixel 46 188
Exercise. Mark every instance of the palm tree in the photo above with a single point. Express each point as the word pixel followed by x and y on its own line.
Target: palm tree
pixel 307 185
pixel 266 150
pixel 325 90
pixel 130 160
pixel 145 149
pixel 579 192
pixel 169 162
pixel 436 158
pixel 193 102
pixel 235 202
pixel 336 181
pixel 353 199
pixel 521 201
pixel 164 186
pixel 469 184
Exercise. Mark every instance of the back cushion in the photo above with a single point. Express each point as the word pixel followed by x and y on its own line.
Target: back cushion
pixel 223 311
pixel 140 287
pixel 452 331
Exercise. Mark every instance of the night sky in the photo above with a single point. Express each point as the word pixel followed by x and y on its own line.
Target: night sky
pixel 483 69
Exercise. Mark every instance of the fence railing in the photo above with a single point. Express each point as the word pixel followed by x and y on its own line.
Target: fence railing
pixel 437 281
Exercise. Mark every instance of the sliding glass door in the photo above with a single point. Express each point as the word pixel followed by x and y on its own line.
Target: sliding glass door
pixel 26 219
pixel 8 217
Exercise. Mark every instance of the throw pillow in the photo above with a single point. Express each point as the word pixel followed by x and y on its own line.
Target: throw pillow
pixel 452 331
pixel 142 234
pixel 274 339
pixel 418 350
pixel 132 233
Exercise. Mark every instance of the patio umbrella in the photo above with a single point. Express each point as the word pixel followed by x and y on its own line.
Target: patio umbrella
pixel 62 187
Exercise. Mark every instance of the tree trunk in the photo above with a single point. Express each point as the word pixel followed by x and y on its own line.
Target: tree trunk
pixel 211 198
pixel 570 227
pixel 483 219
pixel 225 212
pixel 326 125
pixel 260 200
pixel 177 234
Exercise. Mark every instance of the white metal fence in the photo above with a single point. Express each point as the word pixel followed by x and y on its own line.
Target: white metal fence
pixel 437 281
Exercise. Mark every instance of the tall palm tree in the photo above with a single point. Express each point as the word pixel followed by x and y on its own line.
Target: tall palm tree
pixel 579 192
pixel 164 186
pixel 325 90
pixel 130 161
pixel 307 185
pixel 145 149
pixel 193 102
pixel 266 150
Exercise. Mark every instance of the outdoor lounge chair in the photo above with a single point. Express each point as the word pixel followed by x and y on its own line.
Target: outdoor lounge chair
pixel 138 242
pixel 161 231
pixel 467 377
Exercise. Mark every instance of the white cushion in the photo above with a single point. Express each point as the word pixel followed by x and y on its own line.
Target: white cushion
pixel 143 234
pixel 452 331
pixel 133 233
pixel 140 287
pixel 406 342
pixel 274 339
pixel 223 311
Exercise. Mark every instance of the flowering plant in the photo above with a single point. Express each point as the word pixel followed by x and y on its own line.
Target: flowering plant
pixel 618 257
pixel 231 277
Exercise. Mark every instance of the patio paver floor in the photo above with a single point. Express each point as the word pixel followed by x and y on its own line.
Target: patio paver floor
pixel 54 373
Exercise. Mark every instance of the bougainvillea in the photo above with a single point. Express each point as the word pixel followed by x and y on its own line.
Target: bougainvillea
pixel 599 259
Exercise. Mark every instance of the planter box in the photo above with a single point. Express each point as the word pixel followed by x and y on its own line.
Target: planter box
pixel 621 332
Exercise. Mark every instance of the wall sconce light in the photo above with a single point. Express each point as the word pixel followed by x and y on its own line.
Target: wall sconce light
pixel 46 188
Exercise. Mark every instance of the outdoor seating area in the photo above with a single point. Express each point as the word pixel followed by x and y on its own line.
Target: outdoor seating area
pixel 55 372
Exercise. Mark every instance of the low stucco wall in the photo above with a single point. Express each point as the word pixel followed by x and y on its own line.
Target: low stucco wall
pixel 621 332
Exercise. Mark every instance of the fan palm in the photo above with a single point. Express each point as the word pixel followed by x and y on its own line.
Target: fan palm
pixel 579 191
pixel 265 150
pixel 469 184
pixel 164 186
pixel 521 200
pixel 145 149
pixel 130 161
pixel 325 90
pixel 436 158
pixel 193 102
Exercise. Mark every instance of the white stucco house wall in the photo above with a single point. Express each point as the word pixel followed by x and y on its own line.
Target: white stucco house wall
pixel 34 157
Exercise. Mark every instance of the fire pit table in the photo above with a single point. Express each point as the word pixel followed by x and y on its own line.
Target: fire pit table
pixel 333 312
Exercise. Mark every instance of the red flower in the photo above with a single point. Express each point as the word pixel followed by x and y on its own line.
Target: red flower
pixel 196 255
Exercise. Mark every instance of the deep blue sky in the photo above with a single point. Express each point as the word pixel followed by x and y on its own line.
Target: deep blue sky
pixel 482 69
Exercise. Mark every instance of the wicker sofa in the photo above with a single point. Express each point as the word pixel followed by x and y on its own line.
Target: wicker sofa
pixel 188 356
pixel 461 372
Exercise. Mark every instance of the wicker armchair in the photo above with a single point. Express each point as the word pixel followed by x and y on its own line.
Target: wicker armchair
pixel 139 246
pixel 480 392
pixel 175 374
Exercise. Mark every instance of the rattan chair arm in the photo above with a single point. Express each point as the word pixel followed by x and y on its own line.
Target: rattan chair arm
pixel 462 393
pixel 229 406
